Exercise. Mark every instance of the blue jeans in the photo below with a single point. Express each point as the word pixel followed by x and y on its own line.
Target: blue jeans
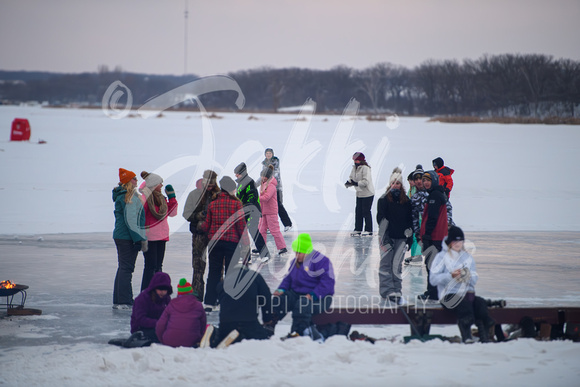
pixel 301 307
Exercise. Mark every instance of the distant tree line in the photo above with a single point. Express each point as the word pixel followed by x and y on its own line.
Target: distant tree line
pixel 510 85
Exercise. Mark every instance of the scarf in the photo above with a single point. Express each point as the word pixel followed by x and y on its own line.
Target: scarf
pixel 156 198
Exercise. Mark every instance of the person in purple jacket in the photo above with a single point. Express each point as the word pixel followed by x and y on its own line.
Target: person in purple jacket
pixel 150 304
pixel 183 322
pixel 306 289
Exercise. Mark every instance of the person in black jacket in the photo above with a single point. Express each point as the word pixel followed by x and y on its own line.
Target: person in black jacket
pixel 250 198
pixel 395 232
pixel 434 226
pixel 242 292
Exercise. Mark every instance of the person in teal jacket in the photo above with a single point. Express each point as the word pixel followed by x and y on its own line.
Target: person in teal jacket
pixel 129 236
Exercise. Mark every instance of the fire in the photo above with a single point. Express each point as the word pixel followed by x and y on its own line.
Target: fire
pixel 7 285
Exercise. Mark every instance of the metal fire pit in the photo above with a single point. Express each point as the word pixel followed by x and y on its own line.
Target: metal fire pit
pixel 10 293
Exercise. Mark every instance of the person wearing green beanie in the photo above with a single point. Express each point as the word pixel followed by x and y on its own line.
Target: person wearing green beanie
pixel 306 290
pixel 183 322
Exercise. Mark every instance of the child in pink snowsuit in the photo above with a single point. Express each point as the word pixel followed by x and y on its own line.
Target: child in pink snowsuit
pixel 269 203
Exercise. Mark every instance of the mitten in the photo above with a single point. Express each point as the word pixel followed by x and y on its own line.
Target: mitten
pixel 144 246
pixel 353 183
pixel 348 184
pixel 169 191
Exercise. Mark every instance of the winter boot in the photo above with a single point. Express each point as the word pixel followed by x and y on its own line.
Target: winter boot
pixel 342 328
pixel 465 329
pixel 483 332
pixel 137 340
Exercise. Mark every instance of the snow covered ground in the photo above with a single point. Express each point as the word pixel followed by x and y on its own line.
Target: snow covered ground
pixel 508 178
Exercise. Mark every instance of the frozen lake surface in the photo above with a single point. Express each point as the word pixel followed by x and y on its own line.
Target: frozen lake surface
pixel 70 277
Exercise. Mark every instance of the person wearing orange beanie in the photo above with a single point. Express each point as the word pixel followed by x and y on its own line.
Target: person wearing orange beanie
pixel 129 236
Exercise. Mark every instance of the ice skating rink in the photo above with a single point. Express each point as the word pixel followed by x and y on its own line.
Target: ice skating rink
pixel 70 276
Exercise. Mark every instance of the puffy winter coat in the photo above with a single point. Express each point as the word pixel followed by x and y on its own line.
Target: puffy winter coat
pixel 394 219
pixel 434 220
pixel 241 294
pixel 418 202
pixel 196 206
pixel 446 262
pixel 247 192
pixel 269 198
pixel 158 229
pixel 275 162
pixel 129 217
pixel 446 179
pixel 148 307
pixel 362 175
pixel 182 323
pixel 314 276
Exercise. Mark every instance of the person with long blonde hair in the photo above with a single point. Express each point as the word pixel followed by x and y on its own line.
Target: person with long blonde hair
pixel 129 236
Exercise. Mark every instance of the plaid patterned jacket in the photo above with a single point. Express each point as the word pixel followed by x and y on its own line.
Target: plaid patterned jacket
pixel 225 217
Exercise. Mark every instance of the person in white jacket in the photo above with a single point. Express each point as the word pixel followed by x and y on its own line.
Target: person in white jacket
pixel 360 178
pixel 454 274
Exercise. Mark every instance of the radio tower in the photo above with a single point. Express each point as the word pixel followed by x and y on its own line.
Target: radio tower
pixel 186 14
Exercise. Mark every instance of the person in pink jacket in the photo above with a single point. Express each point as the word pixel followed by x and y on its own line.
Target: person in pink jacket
pixel 183 321
pixel 157 210
pixel 269 203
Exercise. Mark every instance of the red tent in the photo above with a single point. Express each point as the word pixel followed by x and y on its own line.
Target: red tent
pixel 20 130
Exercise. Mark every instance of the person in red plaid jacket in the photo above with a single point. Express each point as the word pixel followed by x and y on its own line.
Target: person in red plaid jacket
pixel 226 227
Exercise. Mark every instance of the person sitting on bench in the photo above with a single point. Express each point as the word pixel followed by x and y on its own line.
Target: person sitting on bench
pixel 453 273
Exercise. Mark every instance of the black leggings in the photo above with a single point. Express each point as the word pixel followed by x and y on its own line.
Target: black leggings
pixel 362 212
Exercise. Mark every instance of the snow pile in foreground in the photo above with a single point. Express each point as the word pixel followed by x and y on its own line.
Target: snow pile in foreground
pixel 299 362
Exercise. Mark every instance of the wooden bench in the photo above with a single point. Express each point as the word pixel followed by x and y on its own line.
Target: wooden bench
pixel 552 319
pixel 380 316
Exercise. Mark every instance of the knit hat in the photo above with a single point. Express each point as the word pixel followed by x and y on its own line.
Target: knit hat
pixel 152 180
pixel 240 169
pixel 209 177
pixel 269 150
pixel 125 176
pixel 303 244
pixel 184 287
pixel 454 234
pixel 268 171
pixel 396 176
pixel 418 171
pixel 358 156
pixel 438 163
pixel 431 175
pixel 227 184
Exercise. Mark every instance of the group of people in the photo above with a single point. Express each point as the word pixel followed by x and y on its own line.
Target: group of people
pixel 140 225
pixel 419 220
pixel 181 322
pixel 218 216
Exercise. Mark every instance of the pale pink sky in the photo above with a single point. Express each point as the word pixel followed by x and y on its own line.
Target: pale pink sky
pixel 147 36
